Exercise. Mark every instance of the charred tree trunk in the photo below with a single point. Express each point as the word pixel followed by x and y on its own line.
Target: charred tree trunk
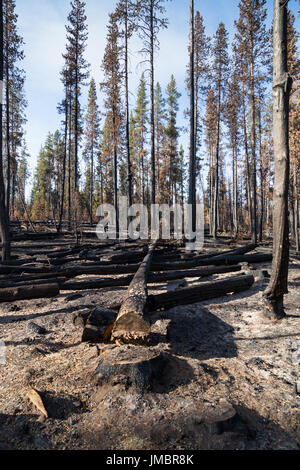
pixel 274 295
pixel 29 292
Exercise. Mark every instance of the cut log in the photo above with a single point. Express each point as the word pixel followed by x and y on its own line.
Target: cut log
pixel 29 292
pixel 130 325
pixel 134 366
pixel 86 284
pixel 205 291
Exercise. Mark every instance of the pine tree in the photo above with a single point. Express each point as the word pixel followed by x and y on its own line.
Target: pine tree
pixel 210 132
pixel 92 134
pixel 171 132
pixel 127 14
pixel 233 120
pixel 151 20
pixel 192 160
pixel 201 78
pixel 159 122
pixel 42 185
pixel 105 162
pixel 22 176
pixel 112 89
pixel 65 108
pixel 219 77
pixel 252 43
pixel 141 122
pixel 58 171
pixel 14 94
pixel 77 69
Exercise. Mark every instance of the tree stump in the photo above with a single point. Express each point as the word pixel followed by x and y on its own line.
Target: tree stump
pixel 135 366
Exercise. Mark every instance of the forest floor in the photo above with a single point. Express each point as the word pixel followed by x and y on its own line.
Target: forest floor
pixel 233 381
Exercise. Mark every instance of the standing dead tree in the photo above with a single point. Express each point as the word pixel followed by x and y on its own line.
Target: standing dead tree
pixel 282 82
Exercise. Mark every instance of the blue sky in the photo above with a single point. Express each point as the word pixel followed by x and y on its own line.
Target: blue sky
pixel 42 25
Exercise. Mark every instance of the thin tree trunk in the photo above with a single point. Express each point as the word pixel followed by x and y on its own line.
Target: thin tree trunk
pixel 8 156
pixel 4 224
pixel 92 186
pixel 247 162
pixel 129 166
pixel 192 163
pixel 262 207
pixel 235 201
pixel 69 165
pixel 115 173
pixel 253 151
pixel 62 196
pixel 152 102
pixel 274 295
pixel 216 187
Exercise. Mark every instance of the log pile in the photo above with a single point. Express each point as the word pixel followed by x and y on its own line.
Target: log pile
pixel 48 268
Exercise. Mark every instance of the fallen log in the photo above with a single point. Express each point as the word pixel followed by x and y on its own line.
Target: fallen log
pixel 205 291
pixel 34 277
pixel 29 292
pixel 130 325
pixel 215 261
pixel 17 262
pixel 86 284
pixel 25 269
pixel 255 258
pixel 8 284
